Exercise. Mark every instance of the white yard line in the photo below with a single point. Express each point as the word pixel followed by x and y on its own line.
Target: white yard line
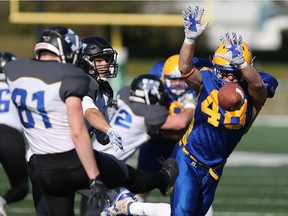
pixel 271 120
pixel 239 158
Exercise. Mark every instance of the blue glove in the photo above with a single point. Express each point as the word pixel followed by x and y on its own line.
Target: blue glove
pixel 98 198
pixel 234 52
pixel 115 139
pixel 192 24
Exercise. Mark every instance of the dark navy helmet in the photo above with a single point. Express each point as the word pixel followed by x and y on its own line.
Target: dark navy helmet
pixel 61 41
pixel 93 49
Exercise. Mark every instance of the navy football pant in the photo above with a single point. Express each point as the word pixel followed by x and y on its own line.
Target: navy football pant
pixel 194 189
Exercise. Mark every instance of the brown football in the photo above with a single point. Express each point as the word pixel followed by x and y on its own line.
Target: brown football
pixel 231 96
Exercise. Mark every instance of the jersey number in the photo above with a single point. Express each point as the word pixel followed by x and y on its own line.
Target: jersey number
pixel 232 120
pixel 19 96
pixel 123 119
pixel 4 104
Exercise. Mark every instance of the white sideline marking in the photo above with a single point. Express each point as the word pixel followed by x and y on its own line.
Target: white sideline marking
pixel 239 158
pixel 271 120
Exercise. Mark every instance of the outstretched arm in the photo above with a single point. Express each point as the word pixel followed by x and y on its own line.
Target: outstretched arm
pixel 256 87
pixel 192 29
pixel 98 121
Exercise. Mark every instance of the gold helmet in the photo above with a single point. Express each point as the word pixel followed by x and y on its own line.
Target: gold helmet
pixel 174 83
pixel 222 64
pixel 170 68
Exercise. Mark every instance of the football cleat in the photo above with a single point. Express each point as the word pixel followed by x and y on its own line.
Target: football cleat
pixel 171 170
pixel 2 207
pixel 120 206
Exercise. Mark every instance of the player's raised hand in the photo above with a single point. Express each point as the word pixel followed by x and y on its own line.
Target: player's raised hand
pixel 234 49
pixel 115 139
pixel 192 23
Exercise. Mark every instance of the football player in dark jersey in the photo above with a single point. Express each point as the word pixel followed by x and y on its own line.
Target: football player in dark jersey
pixel 98 59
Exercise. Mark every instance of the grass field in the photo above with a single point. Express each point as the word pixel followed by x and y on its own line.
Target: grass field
pixel 246 189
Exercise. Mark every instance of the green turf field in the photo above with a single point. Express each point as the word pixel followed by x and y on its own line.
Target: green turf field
pixel 253 189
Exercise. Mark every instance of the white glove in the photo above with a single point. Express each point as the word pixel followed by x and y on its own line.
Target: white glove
pixel 115 139
pixel 234 52
pixel 187 101
pixel 192 24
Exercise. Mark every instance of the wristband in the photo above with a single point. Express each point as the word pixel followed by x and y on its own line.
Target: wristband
pixel 95 180
pixel 189 41
pixel 244 64
pixel 185 75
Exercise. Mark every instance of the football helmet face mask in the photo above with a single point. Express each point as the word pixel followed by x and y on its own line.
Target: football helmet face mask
pixel 5 57
pixel 98 58
pixel 60 40
pixel 147 89
pixel 223 67
pixel 174 84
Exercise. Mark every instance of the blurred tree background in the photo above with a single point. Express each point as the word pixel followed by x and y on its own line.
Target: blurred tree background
pixel 141 41
pixel 145 44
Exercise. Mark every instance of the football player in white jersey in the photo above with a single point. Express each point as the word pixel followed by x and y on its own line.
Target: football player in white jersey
pixel 141 110
pixel 61 160
pixel 12 144
pixel 47 92
pixel 141 113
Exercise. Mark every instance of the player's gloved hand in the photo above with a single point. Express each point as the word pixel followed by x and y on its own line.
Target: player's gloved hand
pixel 115 139
pixel 234 52
pixel 98 198
pixel 187 101
pixel 192 23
